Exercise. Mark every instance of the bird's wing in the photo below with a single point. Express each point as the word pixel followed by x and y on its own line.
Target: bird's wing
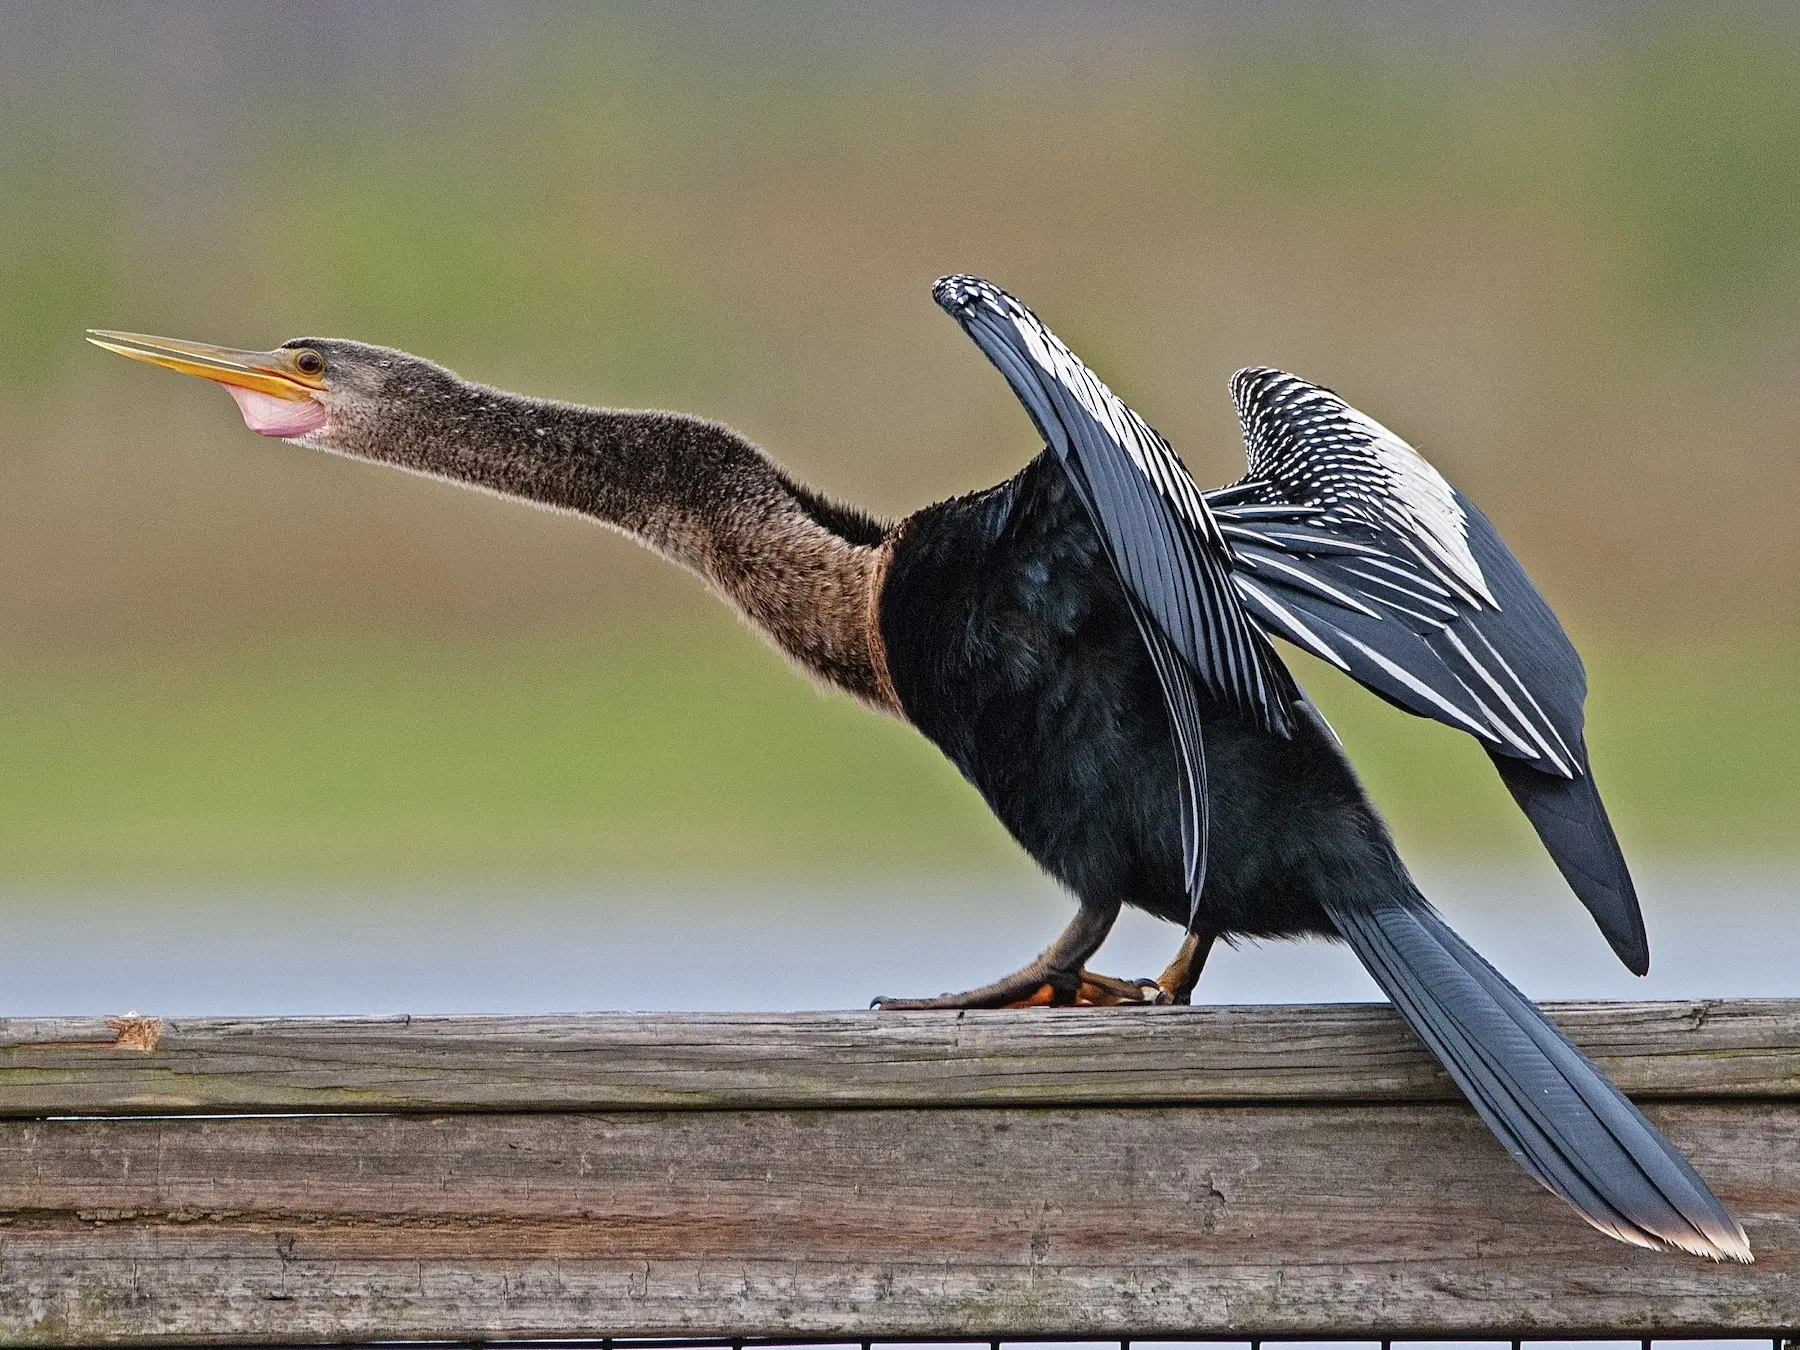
pixel 1163 541
pixel 1350 545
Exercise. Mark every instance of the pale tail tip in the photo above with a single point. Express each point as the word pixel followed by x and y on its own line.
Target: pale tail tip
pixel 1726 1245
pixel 1714 1242
pixel 1726 1241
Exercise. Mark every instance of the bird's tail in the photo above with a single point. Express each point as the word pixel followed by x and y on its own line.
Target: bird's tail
pixel 1557 1115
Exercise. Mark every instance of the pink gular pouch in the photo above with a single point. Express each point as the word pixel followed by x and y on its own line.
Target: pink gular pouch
pixel 267 415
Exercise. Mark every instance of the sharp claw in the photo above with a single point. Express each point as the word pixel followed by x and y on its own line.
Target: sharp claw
pixel 1106 991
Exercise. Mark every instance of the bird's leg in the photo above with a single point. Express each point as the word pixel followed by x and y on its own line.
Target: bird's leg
pixel 1174 985
pixel 1056 977
pixel 1183 973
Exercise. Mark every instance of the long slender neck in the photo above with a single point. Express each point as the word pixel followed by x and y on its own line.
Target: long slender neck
pixel 803 571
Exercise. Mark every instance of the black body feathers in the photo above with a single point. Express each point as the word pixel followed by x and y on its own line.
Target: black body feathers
pixel 1012 645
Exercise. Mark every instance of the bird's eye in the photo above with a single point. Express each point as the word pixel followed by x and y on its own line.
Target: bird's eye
pixel 309 362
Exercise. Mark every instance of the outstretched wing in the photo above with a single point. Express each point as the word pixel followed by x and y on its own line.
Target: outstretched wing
pixel 1350 545
pixel 1157 528
pixel 1163 541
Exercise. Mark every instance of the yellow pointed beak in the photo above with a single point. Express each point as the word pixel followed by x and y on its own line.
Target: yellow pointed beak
pixel 272 373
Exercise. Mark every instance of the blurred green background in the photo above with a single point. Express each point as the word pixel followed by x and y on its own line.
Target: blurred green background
pixel 1557 247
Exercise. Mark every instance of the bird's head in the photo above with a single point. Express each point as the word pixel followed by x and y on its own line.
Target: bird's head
pixel 328 393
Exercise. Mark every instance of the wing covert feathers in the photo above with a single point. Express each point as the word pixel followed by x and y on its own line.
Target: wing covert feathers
pixel 1352 546
pixel 1552 1109
pixel 1350 464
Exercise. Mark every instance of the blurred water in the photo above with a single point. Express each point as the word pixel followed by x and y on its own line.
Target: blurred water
pixel 649 945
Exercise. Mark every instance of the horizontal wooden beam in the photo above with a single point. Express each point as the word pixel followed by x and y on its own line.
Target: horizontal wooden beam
pixel 853 1177
pixel 626 1061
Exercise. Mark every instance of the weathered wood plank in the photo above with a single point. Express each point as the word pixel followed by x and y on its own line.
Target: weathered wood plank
pixel 1320 1219
pixel 1351 1052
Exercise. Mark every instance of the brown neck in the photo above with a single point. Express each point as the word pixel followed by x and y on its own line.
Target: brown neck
pixel 804 572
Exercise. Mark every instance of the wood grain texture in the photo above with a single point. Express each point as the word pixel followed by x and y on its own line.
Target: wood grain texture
pixel 616 1061
pixel 1109 1173
pixel 1325 1220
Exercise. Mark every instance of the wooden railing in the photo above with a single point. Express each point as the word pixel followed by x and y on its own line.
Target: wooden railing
pixel 1208 1171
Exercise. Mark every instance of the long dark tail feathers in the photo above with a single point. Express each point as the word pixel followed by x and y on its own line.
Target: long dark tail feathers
pixel 1571 820
pixel 1552 1109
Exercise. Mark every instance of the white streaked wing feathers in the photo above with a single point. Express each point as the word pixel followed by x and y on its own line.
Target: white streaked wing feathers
pixel 1160 532
pixel 1306 434
pixel 1288 622
pixel 1147 449
pixel 1401 554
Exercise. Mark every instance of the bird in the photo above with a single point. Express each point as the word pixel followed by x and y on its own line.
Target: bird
pixel 1090 643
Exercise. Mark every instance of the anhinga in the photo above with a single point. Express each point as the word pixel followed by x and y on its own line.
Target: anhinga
pixel 1089 643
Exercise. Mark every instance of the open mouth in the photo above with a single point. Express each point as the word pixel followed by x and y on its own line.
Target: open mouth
pixel 275 396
